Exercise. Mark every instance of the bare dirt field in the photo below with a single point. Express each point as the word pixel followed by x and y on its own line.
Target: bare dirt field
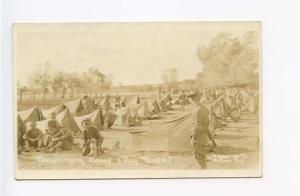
pixel 238 148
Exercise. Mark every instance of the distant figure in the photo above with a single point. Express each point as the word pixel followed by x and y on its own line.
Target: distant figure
pixel 33 137
pixel 118 103
pixel 52 125
pixel 106 104
pixel 91 132
pixel 138 100
pixel 86 104
pixel 182 100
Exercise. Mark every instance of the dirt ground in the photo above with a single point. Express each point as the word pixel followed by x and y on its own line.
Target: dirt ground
pixel 238 148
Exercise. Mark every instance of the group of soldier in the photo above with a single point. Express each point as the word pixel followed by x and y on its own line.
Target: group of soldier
pixel 58 136
pixel 211 108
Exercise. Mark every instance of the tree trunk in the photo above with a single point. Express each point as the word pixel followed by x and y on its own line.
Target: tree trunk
pixel 44 94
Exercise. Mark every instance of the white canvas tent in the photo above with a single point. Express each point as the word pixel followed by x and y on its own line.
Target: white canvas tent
pixel 57 109
pixel 32 114
pixel 75 106
pixel 143 111
pixel 123 113
pixel 96 117
pixel 131 100
pixel 64 117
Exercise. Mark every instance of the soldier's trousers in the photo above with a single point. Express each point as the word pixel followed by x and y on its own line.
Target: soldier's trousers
pixel 199 150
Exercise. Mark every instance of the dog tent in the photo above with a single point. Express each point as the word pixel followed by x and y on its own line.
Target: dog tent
pixel 143 111
pixel 123 113
pixel 32 114
pixel 110 119
pixel 65 118
pixel 96 117
pixel 172 136
pixel 75 106
pixel 57 109
pixel 131 100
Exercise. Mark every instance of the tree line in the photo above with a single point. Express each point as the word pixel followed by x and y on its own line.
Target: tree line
pixel 91 82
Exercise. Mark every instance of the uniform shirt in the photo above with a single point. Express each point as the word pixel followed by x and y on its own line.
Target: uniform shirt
pixel 201 120
pixel 91 133
pixel 33 133
pixel 64 134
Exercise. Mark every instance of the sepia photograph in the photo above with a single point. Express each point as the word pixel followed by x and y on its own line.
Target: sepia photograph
pixel 137 100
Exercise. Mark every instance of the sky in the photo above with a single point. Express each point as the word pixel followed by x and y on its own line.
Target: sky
pixel 131 53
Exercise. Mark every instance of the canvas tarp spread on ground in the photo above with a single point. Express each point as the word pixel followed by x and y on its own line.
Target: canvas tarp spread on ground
pixel 96 117
pixel 65 118
pixel 32 114
pixel 172 136
pixel 57 109
pixel 75 106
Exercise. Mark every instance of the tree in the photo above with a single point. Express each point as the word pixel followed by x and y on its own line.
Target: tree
pixel 41 81
pixel 21 89
pixel 230 60
pixel 170 78
pixel 59 85
pixel 96 81
pixel 73 81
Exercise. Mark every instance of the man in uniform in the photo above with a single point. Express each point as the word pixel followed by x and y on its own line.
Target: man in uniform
pixel 33 137
pixel 201 132
pixel 182 100
pixel 117 102
pixel 61 139
pixel 91 132
pixel 52 125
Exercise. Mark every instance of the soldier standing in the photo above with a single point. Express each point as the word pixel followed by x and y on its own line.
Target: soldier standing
pixel 200 135
pixel 182 100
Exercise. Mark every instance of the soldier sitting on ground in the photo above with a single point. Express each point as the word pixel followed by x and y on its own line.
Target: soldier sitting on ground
pixel 61 139
pixel 33 137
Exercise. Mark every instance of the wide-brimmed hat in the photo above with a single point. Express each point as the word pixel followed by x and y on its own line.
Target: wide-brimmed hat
pixel 195 94
pixel 53 115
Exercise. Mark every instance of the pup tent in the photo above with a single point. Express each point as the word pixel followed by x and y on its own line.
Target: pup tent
pixel 123 114
pixel 153 106
pixel 130 100
pixel 32 114
pixel 57 109
pixel 75 106
pixel 171 136
pixel 64 117
pixel 109 119
pixel 96 117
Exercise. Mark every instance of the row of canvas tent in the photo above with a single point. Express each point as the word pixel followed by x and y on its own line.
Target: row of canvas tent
pixel 64 115
pixel 172 136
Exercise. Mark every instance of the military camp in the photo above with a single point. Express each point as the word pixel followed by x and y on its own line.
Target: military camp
pixel 144 110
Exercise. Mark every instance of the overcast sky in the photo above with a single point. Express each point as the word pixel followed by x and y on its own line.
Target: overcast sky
pixel 132 53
